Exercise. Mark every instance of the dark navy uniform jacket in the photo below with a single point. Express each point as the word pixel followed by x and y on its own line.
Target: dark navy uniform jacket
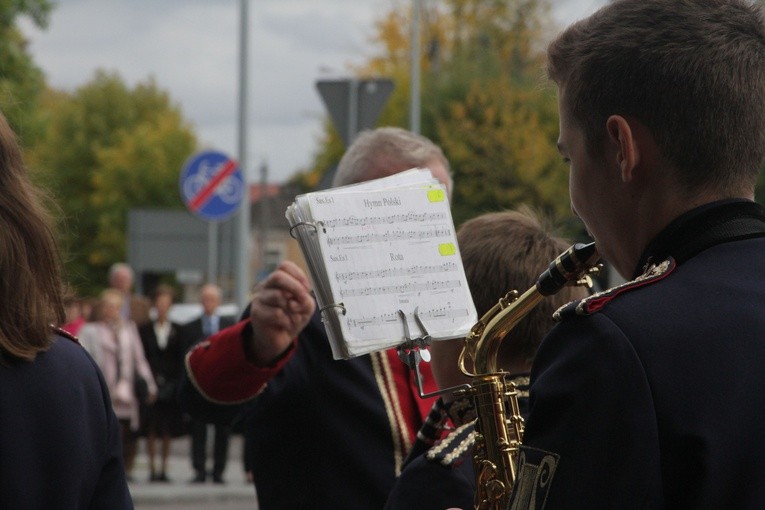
pixel 439 474
pixel 59 438
pixel 650 395
pixel 322 433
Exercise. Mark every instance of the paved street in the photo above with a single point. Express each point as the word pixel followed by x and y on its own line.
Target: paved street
pixel 179 494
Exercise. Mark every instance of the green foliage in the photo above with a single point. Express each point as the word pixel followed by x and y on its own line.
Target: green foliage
pixel 483 101
pixel 502 155
pixel 108 148
pixel 21 81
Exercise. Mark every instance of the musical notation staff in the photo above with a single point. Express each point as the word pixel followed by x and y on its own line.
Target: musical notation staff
pixel 401 288
pixel 388 236
pixel 366 321
pixel 397 272
pixel 389 219
pixel 378 247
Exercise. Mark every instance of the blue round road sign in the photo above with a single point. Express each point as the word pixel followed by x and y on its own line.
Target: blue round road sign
pixel 212 185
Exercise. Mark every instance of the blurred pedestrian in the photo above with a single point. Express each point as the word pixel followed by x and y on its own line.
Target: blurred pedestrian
pixel 209 323
pixel 59 437
pixel 73 314
pixel 164 350
pixel 134 306
pixel 115 345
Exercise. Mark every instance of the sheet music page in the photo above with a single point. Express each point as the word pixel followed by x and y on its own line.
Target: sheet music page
pixel 389 249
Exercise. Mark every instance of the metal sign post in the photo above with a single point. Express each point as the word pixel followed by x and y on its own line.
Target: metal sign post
pixel 212 187
pixel 242 259
pixel 354 105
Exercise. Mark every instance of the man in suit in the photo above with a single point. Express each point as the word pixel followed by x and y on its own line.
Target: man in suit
pixel 209 323
pixel 300 407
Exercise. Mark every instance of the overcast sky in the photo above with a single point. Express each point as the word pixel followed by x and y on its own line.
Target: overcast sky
pixel 191 49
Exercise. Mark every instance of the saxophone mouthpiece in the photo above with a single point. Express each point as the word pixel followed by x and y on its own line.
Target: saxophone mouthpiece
pixel 568 267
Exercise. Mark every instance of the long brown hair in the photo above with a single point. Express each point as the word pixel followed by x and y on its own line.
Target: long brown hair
pixel 30 275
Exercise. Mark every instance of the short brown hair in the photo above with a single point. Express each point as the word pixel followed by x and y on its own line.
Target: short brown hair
pixel 506 251
pixel 30 274
pixel 691 71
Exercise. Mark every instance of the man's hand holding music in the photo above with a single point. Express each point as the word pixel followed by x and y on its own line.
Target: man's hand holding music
pixel 281 308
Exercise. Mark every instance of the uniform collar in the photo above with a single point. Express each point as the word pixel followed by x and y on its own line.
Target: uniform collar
pixel 702 228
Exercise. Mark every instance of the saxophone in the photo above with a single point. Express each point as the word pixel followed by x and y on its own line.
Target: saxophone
pixel 499 427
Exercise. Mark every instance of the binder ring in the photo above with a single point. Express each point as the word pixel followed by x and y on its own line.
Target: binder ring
pixel 300 224
pixel 315 227
pixel 341 306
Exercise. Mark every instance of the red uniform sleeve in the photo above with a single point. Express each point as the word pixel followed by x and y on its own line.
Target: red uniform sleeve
pixel 219 369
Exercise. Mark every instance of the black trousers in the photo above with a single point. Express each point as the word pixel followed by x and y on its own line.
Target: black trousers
pixel 199 448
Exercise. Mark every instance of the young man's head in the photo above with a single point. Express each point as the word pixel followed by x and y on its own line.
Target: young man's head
pixel 662 109
pixel 691 71
pixel 501 252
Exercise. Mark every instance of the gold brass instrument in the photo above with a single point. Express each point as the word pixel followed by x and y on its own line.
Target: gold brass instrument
pixel 499 427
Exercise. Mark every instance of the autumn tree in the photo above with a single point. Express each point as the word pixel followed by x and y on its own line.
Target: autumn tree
pixel 493 114
pixel 21 81
pixel 108 148
pixel 484 100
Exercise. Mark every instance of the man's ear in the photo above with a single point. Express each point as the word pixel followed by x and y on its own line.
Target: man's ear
pixel 623 141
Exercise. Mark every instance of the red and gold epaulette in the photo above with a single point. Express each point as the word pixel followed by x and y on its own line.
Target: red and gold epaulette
pixel 597 301
pixel 60 332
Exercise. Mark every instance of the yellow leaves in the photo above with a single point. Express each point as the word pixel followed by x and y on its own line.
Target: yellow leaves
pixel 481 99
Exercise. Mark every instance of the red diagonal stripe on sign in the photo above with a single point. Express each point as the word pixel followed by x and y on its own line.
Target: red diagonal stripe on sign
pixel 206 192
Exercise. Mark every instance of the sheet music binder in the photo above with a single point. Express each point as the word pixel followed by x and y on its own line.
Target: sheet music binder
pixel 378 247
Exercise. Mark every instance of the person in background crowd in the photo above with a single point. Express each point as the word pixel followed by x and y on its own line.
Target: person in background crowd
pixel 74 314
pixel 337 429
pixel 644 395
pixel 115 345
pixel 164 348
pixel 59 437
pixel 500 251
pixel 134 307
pixel 196 331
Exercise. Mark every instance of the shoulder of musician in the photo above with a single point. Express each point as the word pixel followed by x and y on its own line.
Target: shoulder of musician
pixel 597 301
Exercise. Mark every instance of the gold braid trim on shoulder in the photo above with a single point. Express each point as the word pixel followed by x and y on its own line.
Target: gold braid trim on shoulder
pixel 595 302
